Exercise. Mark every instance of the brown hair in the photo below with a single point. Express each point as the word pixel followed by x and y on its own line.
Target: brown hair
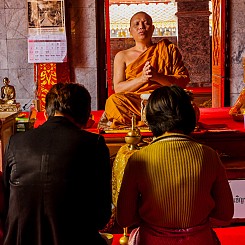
pixel 71 99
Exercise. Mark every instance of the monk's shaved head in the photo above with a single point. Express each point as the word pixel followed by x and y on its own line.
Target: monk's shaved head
pixel 142 12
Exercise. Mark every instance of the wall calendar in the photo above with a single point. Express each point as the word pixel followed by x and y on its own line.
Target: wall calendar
pixel 47 41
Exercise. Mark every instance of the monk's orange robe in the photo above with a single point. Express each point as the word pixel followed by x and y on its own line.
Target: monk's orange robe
pixel 165 57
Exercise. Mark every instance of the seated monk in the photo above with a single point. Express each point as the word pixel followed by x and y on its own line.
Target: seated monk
pixel 140 70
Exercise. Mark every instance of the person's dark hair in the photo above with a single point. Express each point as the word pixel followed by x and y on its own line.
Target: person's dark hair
pixel 169 108
pixel 71 99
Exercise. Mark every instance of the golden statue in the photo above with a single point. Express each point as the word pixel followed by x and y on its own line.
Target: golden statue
pixel 237 111
pixel 7 92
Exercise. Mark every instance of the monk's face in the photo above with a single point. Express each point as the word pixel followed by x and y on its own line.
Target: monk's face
pixel 141 27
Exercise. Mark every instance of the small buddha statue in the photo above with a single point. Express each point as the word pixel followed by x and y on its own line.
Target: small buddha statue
pixel 7 92
pixel 237 111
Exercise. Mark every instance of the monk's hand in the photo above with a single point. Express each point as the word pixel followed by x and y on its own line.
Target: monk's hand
pixel 147 72
pixel 154 74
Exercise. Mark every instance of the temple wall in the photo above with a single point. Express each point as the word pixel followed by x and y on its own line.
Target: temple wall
pixel 237 48
pixel 194 40
pixel 13 49
pixel 83 45
pixel 13 45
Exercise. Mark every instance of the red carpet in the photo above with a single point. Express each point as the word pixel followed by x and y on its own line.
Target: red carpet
pixel 231 235
pixel 228 236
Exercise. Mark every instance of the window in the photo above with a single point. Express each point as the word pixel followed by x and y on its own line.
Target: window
pixel 163 15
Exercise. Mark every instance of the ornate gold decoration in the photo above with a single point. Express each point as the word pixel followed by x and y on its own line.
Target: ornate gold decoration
pixel 216 32
pixel 48 74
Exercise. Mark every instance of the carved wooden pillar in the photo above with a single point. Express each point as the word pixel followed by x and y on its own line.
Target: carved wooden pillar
pixel 194 39
pixel 243 65
pixel 218 54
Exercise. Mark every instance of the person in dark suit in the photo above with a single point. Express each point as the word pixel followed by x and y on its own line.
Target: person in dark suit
pixel 57 177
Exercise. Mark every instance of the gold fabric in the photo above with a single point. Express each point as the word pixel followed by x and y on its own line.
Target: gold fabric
pixel 118 169
pixel 167 60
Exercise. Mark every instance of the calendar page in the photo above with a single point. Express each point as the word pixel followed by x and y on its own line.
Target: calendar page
pixel 46 32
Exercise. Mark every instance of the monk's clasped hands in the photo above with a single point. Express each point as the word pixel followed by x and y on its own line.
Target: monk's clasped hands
pixel 147 71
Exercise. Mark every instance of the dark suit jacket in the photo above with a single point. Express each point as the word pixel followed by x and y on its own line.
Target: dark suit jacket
pixel 57 181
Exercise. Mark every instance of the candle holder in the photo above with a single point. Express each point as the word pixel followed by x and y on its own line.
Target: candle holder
pixel 133 136
pixel 124 239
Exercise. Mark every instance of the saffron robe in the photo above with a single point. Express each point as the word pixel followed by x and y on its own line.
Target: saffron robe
pixel 166 59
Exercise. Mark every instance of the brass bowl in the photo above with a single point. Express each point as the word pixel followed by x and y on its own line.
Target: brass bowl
pixel 133 137
pixel 124 240
pixel 133 132
pixel 108 237
pixel 133 140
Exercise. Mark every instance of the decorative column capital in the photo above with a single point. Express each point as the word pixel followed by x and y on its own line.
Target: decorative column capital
pixel 192 13
pixel 186 1
pixel 190 8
